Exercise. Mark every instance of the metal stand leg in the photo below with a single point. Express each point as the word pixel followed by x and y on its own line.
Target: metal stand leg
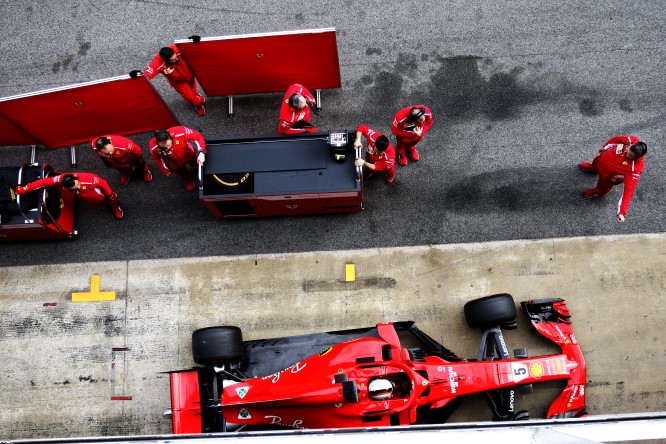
pixel 231 106
pixel 72 151
pixel 33 154
pixel 318 98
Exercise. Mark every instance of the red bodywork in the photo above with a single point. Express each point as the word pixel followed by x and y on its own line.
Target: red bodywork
pixel 306 394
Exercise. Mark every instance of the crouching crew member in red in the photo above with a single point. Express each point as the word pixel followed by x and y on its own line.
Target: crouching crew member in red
pixel 409 126
pixel 89 187
pixel 379 156
pixel 295 111
pixel 620 160
pixel 174 148
pixel 122 154
pixel 169 63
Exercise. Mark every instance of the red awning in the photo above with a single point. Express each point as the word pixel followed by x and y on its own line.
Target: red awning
pixel 263 63
pixel 77 113
pixel 11 135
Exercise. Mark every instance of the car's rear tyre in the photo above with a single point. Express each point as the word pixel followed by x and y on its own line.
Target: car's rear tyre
pixel 217 344
pixel 489 311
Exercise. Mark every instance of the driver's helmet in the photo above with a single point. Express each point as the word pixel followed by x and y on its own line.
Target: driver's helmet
pixel 380 389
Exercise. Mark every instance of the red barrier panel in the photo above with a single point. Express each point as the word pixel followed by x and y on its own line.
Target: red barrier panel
pixel 75 114
pixel 264 63
pixel 11 135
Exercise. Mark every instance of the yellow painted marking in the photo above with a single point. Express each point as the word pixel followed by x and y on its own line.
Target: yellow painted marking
pixel 350 272
pixel 94 294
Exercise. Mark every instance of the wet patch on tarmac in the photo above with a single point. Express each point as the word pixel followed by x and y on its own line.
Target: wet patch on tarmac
pixel 513 190
pixel 83 48
pixel 590 107
pixel 464 87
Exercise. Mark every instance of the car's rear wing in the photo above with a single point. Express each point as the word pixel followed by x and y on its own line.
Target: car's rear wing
pixel 185 402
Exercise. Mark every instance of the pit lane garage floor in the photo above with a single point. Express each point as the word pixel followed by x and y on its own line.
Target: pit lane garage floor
pixel 93 368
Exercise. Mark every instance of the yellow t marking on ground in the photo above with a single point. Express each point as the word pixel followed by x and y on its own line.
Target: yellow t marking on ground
pixel 94 294
pixel 350 272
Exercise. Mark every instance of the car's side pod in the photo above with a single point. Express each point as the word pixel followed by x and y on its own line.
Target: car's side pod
pixel 552 319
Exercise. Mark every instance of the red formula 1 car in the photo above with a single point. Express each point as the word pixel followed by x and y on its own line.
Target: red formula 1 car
pixel 391 374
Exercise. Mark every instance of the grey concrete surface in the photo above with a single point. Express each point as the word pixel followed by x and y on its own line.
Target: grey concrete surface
pixel 56 373
pixel 521 92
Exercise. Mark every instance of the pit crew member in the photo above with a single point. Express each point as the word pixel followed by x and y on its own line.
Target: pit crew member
pixel 621 159
pixel 169 63
pixel 409 126
pixel 380 154
pixel 123 154
pixel 295 111
pixel 89 187
pixel 174 148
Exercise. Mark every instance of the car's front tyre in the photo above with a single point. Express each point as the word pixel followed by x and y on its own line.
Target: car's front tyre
pixel 490 311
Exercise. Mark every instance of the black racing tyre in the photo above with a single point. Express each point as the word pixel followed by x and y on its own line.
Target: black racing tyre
pixel 490 311
pixel 217 344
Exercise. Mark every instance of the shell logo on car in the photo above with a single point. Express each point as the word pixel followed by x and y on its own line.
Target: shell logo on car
pixel 536 369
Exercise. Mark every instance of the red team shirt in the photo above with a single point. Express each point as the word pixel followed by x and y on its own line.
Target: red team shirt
pixel 94 189
pixel 126 153
pixel 400 121
pixel 183 149
pixel 289 115
pixel 384 161
pixel 179 72
pixel 611 163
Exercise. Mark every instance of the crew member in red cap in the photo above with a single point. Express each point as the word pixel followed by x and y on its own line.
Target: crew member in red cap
pixel 621 159
pixel 379 156
pixel 122 154
pixel 295 111
pixel 169 63
pixel 174 148
pixel 409 126
pixel 91 188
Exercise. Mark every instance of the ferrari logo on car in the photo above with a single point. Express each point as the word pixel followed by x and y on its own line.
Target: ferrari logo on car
pixel 324 352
